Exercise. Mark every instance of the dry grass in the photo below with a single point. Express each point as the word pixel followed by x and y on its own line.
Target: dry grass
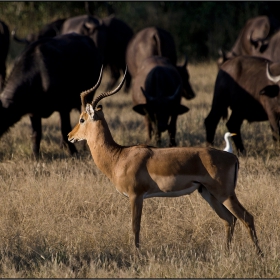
pixel 60 217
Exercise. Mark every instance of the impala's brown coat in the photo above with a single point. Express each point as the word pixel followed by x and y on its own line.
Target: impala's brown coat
pixel 142 171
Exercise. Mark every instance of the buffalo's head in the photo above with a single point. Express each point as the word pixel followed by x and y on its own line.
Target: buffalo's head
pixel 187 91
pixel 272 89
pixel 259 44
pixel 96 30
pixel 9 116
pixel 159 109
pixel 271 102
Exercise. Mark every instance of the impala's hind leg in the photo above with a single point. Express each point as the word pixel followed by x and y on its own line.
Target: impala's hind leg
pixel 222 212
pixel 235 207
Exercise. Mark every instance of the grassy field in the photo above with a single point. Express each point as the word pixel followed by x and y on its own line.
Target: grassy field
pixel 61 217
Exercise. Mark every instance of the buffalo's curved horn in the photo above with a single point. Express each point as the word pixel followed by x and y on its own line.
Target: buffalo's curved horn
pixel 86 92
pixel 177 92
pixel 109 93
pixel 274 79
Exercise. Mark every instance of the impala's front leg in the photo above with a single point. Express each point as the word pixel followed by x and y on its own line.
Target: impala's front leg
pixel 136 202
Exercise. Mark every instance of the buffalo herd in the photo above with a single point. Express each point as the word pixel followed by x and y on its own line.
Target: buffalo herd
pixel 248 81
pixel 74 49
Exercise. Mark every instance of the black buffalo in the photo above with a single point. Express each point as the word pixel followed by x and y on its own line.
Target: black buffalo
pixel 157 92
pixel 49 76
pixel 111 36
pixel 154 41
pixel 249 86
pixel 4 49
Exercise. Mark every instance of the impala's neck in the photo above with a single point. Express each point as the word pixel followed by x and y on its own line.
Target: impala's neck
pixel 104 150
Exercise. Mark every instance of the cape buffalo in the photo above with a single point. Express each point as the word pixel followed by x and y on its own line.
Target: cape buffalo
pixel 154 41
pixel 49 76
pixel 254 39
pixel 247 85
pixel 4 48
pixel 111 36
pixel 157 91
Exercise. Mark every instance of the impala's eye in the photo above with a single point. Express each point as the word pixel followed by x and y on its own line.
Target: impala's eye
pixel 82 120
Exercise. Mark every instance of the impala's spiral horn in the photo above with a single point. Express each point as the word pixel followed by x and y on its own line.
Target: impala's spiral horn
pixel 85 93
pixel 109 93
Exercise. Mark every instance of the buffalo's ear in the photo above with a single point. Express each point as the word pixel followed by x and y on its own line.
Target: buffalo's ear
pixel 140 109
pixel 182 109
pixel 270 91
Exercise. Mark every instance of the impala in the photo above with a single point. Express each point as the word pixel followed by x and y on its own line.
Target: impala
pixel 142 171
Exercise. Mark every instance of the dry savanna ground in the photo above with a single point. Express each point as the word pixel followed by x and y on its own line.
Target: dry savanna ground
pixel 61 217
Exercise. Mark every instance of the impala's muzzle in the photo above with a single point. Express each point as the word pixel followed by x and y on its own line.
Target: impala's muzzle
pixel 72 139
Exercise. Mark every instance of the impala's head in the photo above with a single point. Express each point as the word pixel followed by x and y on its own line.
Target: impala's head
pixel 91 113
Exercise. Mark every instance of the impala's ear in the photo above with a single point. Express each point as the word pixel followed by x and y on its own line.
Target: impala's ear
pixel 90 110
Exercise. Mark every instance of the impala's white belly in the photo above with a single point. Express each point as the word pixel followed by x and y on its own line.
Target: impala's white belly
pixel 171 186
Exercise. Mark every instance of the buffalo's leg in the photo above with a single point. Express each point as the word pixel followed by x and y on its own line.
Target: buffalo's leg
pixel 148 126
pixel 275 129
pixel 211 123
pixel 234 126
pixel 172 131
pixel 158 137
pixel 127 81
pixel 157 132
pixel 65 129
pixel 36 134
